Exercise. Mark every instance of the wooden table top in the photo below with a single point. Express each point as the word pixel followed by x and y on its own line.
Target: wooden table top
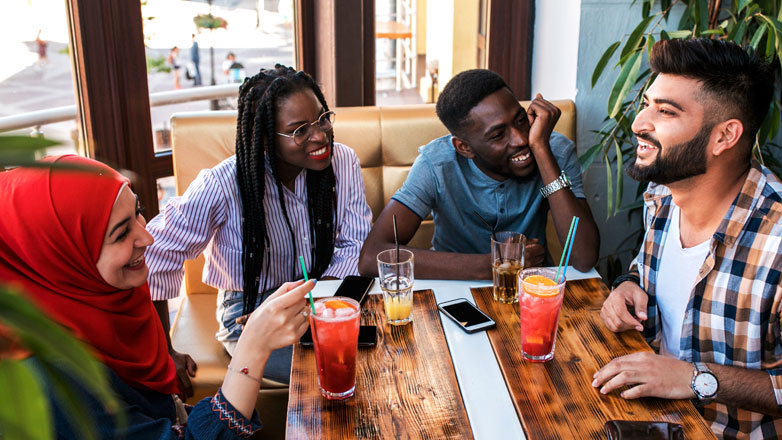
pixel 556 399
pixel 405 385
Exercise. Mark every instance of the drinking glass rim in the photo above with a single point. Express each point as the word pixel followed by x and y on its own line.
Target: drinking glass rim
pixel 393 250
pixel 351 301
pixel 548 270
pixel 511 233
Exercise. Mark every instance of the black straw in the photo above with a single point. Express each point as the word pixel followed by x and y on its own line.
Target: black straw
pixel 396 240
pixel 493 235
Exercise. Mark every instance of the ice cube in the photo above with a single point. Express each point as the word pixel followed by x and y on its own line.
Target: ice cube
pixel 345 311
pixel 327 313
pixel 319 308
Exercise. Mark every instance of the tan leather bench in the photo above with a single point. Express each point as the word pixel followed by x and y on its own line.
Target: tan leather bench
pixel 386 140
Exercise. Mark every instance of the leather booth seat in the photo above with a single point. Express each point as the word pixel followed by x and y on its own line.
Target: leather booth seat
pixel 386 140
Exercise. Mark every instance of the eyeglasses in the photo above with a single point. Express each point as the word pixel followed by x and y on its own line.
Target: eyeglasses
pixel 304 132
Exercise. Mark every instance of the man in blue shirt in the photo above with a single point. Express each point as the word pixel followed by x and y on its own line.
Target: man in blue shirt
pixel 500 161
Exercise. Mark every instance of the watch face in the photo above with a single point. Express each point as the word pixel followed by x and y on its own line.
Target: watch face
pixel 706 384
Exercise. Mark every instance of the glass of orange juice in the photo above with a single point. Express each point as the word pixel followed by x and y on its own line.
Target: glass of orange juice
pixel 540 301
pixel 396 281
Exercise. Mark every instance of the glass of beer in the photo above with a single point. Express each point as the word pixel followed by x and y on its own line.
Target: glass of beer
pixel 539 305
pixel 396 282
pixel 507 253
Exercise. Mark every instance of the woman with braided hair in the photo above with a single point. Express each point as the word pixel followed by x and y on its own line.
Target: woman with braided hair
pixel 289 190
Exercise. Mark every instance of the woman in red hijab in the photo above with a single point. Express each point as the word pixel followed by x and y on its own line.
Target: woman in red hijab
pixel 74 242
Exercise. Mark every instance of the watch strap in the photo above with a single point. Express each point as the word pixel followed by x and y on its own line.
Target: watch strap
pixel 559 183
pixel 626 277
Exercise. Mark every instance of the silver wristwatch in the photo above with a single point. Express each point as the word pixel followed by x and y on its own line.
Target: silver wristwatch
pixel 559 183
pixel 704 384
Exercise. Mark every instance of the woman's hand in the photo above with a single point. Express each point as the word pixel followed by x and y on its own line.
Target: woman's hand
pixel 279 321
pixel 185 369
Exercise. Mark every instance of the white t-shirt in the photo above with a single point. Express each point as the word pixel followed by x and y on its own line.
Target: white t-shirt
pixel 675 280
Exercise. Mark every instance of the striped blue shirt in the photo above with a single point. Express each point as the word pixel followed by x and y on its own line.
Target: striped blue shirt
pixel 208 218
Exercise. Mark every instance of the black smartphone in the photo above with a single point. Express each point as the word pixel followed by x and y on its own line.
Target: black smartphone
pixel 367 336
pixel 355 287
pixel 470 318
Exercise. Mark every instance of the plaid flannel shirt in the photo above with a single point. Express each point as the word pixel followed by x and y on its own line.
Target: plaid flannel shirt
pixel 733 315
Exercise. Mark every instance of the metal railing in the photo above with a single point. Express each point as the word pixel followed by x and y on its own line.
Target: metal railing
pixel 39 118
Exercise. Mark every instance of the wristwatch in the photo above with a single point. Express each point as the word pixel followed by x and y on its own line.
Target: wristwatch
pixel 704 384
pixel 559 183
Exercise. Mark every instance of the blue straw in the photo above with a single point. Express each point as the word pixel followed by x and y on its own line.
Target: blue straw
pixel 570 248
pixel 564 250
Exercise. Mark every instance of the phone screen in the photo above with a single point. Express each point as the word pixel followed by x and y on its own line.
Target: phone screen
pixel 355 287
pixel 367 335
pixel 465 313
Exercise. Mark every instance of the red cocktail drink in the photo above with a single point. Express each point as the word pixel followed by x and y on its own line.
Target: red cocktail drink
pixel 540 301
pixel 335 336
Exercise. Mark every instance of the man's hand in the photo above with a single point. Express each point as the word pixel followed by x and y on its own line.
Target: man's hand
pixel 614 312
pixel 185 369
pixel 534 253
pixel 647 375
pixel 543 116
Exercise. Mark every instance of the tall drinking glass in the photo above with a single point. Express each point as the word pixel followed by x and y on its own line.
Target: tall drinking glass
pixel 335 327
pixel 507 259
pixel 396 282
pixel 540 301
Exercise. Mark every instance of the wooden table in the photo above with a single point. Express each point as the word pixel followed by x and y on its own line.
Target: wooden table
pixel 405 386
pixel 556 399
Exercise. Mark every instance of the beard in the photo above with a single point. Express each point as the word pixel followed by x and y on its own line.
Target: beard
pixel 683 161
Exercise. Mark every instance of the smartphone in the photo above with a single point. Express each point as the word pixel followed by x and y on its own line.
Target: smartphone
pixel 470 318
pixel 367 336
pixel 355 287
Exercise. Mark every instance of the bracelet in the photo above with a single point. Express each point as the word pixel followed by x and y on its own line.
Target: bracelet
pixel 626 277
pixel 245 372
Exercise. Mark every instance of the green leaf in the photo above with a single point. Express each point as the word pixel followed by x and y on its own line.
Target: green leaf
pixel 24 411
pixel 759 33
pixel 737 34
pixel 619 174
pixel 680 34
pixel 54 346
pixel 665 6
pixel 647 7
pixel 589 156
pixel 649 45
pixel 603 61
pixel 624 83
pixel 664 35
pixel 717 31
pixel 609 189
pixel 743 4
pixel 771 44
pixel 635 37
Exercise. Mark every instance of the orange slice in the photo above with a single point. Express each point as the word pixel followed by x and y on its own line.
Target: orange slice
pixel 335 304
pixel 541 286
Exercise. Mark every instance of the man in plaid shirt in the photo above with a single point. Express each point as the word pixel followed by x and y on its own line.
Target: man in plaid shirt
pixel 705 287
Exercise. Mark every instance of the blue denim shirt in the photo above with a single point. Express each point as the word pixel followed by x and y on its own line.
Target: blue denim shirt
pixel 451 187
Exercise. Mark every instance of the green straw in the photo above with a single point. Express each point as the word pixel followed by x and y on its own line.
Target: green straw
pixel 567 244
pixel 304 271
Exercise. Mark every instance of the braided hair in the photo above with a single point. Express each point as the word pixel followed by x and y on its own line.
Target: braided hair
pixel 256 140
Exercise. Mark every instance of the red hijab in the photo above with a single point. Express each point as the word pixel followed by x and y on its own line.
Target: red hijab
pixel 51 231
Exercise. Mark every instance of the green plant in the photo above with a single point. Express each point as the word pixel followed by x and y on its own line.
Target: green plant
pixel 64 362
pixel 157 64
pixel 753 23
pixel 209 21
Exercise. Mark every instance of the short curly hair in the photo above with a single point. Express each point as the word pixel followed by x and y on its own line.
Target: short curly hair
pixel 463 92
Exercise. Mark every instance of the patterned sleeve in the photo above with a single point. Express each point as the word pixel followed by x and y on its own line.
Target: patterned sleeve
pixel 215 418
pixel 356 219
pixel 775 373
pixel 182 231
